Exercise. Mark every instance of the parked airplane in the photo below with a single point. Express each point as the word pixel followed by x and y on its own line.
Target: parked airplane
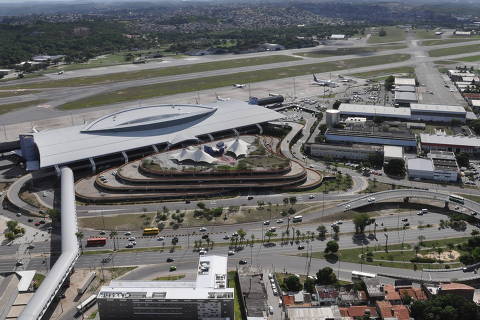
pixel 222 99
pixel 237 85
pixel 324 83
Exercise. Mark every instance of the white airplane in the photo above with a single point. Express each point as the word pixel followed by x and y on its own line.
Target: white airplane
pixel 221 99
pixel 323 83
pixel 238 85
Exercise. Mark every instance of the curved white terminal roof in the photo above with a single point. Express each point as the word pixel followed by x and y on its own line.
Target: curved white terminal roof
pixel 238 147
pixel 145 126
pixel 149 117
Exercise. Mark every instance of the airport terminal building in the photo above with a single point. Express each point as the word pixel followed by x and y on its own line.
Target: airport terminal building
pixel 140 131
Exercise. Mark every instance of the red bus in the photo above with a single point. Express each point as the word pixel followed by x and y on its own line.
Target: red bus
pixel 93 242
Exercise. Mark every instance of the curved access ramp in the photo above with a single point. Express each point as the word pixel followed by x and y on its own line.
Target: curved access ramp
pixel 43 297
pixel 408 193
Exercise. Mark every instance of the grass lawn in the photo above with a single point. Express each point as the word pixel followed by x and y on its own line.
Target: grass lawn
pixel 385 72
pixel 471 197
pixel 4 108
pixel 237 304
pixel 393 34
pixel 170 277
pixel 119 271
pixel 119 221
pixel 348 51
pixel 175 87
pixel 445 62
pixel 37 280
pixel 444 41
pixel 470 59
pixel 454 50
pixel 397 259
pixel 12 93
pixel 425 34
pixel 159 72
pixel 380 186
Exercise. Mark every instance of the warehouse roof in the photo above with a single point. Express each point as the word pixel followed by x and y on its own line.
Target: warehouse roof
pixel 436 108
pixel 406 96
pixel 373 110
pixel 144 126
pixel 420 164
pixel 405 88
pixel 460 141
pixel 393 152
pixel 405 82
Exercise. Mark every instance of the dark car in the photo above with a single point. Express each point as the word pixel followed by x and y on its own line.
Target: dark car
pixel 242 262
pixel 170 259
pixel 205 236
pixel 42 221
pixel 30 220
pixel 301 247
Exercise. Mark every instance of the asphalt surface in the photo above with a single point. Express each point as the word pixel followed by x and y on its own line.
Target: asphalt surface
pixel 62 95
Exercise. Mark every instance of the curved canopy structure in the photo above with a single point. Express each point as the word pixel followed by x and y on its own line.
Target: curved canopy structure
pixel 195 155
pixel 238 147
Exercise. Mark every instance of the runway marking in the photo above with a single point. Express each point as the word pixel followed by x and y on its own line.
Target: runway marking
pixel 44 106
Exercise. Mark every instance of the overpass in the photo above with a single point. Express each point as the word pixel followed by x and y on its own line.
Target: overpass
pixel 408 193
pixel 45 294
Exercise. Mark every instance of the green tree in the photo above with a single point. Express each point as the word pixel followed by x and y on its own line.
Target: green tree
pixel 389 82
pixel 445 307
pixel 331 248
pixel 322 231
pixel 382 32
pixel 309 285
pixel 269 234
pixel 361 221
pixel 292 283
pixel 326 276
pixel 395 167
pixel 12 225
pixel 463 159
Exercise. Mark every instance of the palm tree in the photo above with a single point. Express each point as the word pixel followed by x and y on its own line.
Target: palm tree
pixel 112 236
pixel 417 249
pixel 241 233
pixel 421 238
pixel 322 230
pixel 252 236
pixel 80 235
pixel 450 246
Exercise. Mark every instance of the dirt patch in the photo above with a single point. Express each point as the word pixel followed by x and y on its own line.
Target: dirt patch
pixel 127 221
pixel 446 256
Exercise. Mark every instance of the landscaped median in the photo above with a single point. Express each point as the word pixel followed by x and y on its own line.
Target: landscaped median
pixel 182 86
pixel 434 254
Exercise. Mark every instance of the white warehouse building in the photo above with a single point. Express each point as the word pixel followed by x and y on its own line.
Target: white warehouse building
pixel 437 113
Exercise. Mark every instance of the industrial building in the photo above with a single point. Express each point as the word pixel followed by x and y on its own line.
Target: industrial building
pixel 416 112
pixel 208 297
pixel 139 129
pixel 432 142
pixel 437 113
pixel 371 135
pixel 405 82
pixel 438 166
pixel 373 111
pixel 345 152
pixel 405 98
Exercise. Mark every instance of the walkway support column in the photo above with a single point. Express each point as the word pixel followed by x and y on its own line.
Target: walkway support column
pixel 125 157
pixel 94 166
pixel 259 128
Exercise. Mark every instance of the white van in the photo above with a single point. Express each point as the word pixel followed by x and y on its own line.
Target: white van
pixel 297 219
